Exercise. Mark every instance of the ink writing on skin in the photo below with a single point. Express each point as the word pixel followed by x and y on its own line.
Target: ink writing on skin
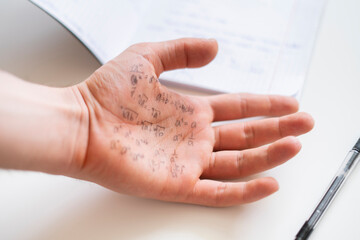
pixel 155 113
pixel 129 114
pixel 191 139
pixel 177 137
pixel 159 131
pixel 136 68
pixel 142 99
pixel 152 116
pixel 175 168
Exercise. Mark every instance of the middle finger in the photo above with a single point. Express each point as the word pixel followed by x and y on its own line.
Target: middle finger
pixel 243 135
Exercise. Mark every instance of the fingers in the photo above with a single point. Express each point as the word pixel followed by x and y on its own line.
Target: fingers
pixel 235 106
pixel 256 133
pixel 222 194
pixel 237 164
pixel 180 53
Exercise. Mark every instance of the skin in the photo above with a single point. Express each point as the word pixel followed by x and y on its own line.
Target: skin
pixel 122 129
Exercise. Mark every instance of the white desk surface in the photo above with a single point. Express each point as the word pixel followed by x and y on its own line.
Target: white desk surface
pixel 40 206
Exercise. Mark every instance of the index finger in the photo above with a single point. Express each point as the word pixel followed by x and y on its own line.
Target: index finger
pixel 243 105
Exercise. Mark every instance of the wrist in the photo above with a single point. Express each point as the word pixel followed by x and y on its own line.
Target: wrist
pixel 43 128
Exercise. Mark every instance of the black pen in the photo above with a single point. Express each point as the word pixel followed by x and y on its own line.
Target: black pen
pixel 347 166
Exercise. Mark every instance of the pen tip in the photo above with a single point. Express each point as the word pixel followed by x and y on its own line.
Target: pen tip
pixel 357 145
pixel 304 232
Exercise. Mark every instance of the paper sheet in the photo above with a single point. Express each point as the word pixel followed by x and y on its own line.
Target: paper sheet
pixel 264 45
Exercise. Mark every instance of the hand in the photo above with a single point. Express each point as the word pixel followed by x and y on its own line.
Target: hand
pixel 149 141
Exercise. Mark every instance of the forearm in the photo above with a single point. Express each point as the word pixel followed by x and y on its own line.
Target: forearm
pixel 41 128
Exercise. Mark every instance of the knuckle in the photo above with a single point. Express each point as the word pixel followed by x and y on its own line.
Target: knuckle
pixel 220 193
pixel 212 163
pixel 249 134
pixel 244 106
pixel 239 163
pixel 218 138
pixel 270 105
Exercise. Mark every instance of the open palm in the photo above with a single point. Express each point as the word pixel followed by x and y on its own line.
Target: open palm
pixel 149 141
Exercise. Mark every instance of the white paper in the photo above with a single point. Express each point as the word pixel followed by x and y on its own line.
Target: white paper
pixel 264 45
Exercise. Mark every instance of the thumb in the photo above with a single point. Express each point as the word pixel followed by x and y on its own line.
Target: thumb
pixel 179 53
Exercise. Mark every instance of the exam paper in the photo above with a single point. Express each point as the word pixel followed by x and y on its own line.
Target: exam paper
pixel 264 45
